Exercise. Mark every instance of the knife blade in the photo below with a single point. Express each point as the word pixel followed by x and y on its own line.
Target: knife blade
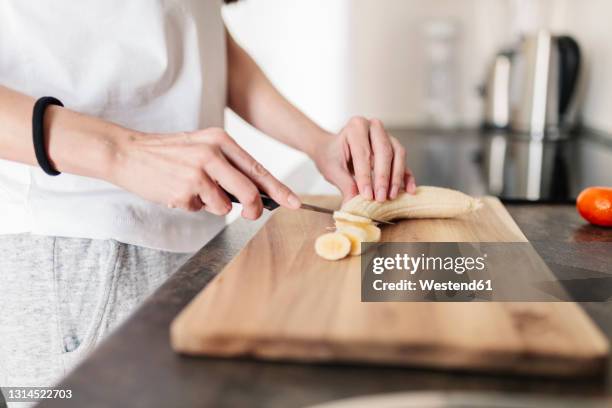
pixel 270 204
pixel 315 208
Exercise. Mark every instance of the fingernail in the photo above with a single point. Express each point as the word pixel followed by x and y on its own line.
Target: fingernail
pixel 249 215
pixel 367 192
pixel 294 201
pixel 381 194
pixel 394 190
pixel 411 186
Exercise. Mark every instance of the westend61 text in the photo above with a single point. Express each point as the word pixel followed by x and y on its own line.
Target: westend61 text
pixel 430 284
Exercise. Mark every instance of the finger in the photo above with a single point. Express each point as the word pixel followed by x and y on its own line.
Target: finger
pixel 409 182
pixel 361 155
pixel 399 166
pixel 236 183
pixel 383 159
pixel 342 178
pixel 195 204
pixel 264 180
pixel 213 199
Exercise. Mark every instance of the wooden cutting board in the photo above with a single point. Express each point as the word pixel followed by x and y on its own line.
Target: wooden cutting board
pixel 278 300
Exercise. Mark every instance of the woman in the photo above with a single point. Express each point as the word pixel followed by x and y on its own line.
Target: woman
pixel 145 163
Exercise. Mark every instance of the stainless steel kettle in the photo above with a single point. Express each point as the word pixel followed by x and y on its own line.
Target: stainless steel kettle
pixel 532 89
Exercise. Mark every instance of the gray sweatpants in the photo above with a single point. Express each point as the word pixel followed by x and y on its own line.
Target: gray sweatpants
pixel 60 296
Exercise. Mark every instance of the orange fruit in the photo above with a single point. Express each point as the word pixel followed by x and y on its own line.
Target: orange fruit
pixel 595 205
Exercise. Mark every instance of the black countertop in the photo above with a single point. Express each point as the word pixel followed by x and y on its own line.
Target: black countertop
pixel 136 367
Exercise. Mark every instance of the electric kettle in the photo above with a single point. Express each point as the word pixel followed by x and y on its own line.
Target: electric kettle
pixel 532 88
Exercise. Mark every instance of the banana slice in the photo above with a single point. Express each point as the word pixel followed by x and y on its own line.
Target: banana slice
pixel 346 240
pixel 371 230
pixel 427 202
pixel 356 236
pixel 333 246
pixel 353 218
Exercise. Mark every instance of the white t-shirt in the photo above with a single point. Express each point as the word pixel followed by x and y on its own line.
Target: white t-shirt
pixel 150 65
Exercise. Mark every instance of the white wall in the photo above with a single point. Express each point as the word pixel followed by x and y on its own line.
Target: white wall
pixel 388 58
pixel 301 45
pixel 589 22
pixel 336 58
pixel 341 57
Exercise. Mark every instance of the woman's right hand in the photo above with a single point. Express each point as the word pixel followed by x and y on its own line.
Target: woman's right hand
pixel 191 170
pixel 181 170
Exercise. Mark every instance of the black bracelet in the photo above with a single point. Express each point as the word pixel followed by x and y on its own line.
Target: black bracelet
pixel 38 134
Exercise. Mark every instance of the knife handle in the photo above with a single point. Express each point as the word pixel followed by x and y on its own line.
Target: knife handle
pixel 268 203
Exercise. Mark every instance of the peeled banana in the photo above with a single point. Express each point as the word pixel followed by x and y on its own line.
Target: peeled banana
pixel 426 202
pixel 354 223
pixel 352 218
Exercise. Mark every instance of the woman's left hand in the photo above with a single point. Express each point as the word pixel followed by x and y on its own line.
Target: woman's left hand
pixel 364 159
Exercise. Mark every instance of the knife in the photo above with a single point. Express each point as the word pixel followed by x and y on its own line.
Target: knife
pixel 270 204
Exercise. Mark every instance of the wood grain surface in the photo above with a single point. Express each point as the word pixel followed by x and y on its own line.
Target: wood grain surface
pixel 278 300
